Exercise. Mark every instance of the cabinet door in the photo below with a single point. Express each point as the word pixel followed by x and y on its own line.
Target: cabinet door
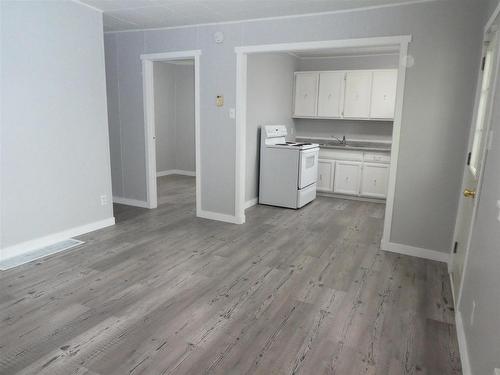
pixel 306 94
pixel 330 97
pixel 383 98
pixel 325 175
pixel 374 180
pixel 357 94
pixel 347 175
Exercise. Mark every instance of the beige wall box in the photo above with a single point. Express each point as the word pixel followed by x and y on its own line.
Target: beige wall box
pixel 219 100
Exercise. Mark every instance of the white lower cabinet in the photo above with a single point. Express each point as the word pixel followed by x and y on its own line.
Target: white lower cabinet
pixel 347 177
pixel 374 180
pixel 325 175
pixel 362 174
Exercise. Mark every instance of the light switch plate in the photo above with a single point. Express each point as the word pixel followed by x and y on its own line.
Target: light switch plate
pixel 219 100
pixel 232 113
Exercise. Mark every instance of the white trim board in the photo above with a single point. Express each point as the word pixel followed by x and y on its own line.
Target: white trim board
pixel 130 202
pixel 251 202
pixel 325 44
pixel 218 216
pixel 149 120
pixel 415 251
pixel 492 19
pixel 290 16
pixel 462 343
pixel 175 171
pixel 25 247
pixel 399 41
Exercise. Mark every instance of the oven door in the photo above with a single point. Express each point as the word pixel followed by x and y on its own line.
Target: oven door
pixel 308 167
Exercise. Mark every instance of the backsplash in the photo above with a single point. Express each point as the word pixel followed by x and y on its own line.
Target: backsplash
pixel 352 129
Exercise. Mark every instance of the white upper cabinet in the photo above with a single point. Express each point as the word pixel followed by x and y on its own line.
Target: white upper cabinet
pixel 349 94
pixel 331 94
pixel 383 99
pixel 306 94
pixel 357 94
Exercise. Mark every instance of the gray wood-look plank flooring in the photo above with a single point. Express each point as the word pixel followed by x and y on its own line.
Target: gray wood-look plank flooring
pixel 289 292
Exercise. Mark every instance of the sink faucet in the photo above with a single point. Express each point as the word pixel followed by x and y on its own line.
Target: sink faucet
pixel 342 141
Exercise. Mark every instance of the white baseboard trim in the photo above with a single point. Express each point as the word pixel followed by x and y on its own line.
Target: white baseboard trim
pixel 350 197
pixel 175 171
pixel 220 217
pixel 131 202
pixel 251 203
pixel 415 251
pixel 25 247
pixel 462 344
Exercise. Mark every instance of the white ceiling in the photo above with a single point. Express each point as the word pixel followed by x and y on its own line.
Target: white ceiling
pixel 145 14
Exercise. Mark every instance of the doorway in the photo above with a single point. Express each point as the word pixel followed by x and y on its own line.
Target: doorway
pixel 174 130
pixel 399 44
pixel 172 127
pixel 478 149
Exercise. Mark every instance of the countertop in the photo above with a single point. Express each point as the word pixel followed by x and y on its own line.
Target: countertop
pixel 351 145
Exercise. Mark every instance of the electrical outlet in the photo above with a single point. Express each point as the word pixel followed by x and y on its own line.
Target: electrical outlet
pixel 104 200
pixel 472 313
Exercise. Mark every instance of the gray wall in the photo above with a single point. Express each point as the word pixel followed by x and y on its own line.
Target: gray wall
pixel 437 108
pixel 269 101
pixel 164 102
pixel 184 118
pixel 352 129
pixel 55 146
pixel 482 276
pixel 349 62
pixel 174 116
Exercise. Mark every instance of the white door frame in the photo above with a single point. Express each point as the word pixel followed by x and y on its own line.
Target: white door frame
pixel 149 120
pixel 401 41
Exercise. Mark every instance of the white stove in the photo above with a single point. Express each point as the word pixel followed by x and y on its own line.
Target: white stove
pixel 288 170
pixel 294 145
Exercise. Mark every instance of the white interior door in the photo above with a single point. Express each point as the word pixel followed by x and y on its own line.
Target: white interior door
pixel 383 99
pixel 330 95
pixel 476 156
pixel 357 94
pixel 306 93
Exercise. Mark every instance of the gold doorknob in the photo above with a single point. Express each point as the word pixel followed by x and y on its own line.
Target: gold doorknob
pixel 469 193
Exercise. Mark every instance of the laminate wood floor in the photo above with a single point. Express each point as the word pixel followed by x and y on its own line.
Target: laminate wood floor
pixel 289 292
